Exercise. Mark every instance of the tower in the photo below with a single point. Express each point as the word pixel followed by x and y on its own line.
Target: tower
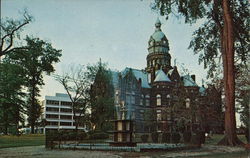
pixel 158 49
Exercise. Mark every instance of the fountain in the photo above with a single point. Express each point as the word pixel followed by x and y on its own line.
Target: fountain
pixel 123 132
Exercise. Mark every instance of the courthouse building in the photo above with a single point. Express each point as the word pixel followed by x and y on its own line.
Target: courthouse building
pixel 174 99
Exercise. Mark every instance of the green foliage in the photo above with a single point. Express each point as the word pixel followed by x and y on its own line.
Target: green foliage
pixel 144 138
pixel 20 141
pixel 11 97
pixel 98 135
pixel 36 59
pixel 10 32
pixel 207 39
pixel 101 96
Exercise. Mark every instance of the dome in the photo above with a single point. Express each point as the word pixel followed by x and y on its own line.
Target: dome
pixel 158 36
pixel 161 77
pixel 158 42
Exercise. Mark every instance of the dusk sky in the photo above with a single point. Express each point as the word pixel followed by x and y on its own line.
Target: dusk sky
pixel 117 31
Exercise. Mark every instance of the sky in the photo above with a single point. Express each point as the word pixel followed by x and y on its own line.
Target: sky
pixel 117 31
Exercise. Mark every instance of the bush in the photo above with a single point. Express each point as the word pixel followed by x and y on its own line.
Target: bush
pixel 144 138
pixel 196 139
pixel 99 135
pixel 175 137
pixel 154 137
pixel 81 135
pixel 166 137
pixel 187 136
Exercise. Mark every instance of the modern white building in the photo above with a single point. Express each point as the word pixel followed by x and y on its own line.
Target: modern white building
pixel 58 112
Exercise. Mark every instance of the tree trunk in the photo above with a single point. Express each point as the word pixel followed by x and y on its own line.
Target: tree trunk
pixel 227 38
pixel 32 106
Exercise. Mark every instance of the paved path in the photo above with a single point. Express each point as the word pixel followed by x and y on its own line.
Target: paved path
pixel 41 152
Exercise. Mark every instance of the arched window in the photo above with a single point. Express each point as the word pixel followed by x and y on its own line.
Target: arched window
pixel 147 99
pixel 158 100
pixel 187 103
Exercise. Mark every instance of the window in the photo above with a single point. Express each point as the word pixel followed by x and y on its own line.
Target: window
pixel 187 103
pixel 141 100
pixel 158 100
pixel 158 116
pixel 133 99
pixel 66 110
pixel 128 99
pixel 147 100
pixel 66 103
pixel 65 123
pixel 65 117
pixel 51 116
pixel 52 102
pixel 52 109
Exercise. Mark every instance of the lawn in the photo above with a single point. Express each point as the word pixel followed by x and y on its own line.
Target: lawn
pixel 23 140
pixel 217 137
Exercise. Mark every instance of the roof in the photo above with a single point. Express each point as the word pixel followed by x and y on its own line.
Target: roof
pixel 115 78
pixel 158 35
pixel 139 74
pixel 188 81
pixel 161 77
pixel 202 91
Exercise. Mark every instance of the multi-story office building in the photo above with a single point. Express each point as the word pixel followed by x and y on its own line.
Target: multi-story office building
pixel 58 112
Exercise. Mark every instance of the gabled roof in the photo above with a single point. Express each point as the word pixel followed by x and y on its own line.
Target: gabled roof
pixel 161 77
pixel 139 74
pixel 188 81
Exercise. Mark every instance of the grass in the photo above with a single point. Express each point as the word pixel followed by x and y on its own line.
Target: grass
pixel 23 140
pixel 217 137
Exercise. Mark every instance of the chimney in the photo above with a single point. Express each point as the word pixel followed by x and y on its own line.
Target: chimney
pixel 193 77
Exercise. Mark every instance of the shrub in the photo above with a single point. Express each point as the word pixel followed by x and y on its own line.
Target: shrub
pixel 196 139
pixel 154 137
pixel 175 137
pixel 166 137
pixel 99 135
pixel 144 138
pixel 247 135
pixel 187 136
pixel 81 135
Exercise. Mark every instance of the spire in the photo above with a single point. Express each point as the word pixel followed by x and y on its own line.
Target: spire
pixel 158 24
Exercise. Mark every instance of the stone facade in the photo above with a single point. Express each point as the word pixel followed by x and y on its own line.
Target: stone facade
pixel 174 99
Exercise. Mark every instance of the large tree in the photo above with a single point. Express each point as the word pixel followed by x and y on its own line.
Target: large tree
pixel 11 96
pixel 77 86
pixel 102 96
pixel 224 32
pixel 10 31
pixel 38 58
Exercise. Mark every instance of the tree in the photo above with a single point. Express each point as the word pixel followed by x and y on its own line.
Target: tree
pixel 38 58
pixel 101 96
pixel 11 100
pixel 77 86
pixel 150 120
pixel 10 30
pixel 224 32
